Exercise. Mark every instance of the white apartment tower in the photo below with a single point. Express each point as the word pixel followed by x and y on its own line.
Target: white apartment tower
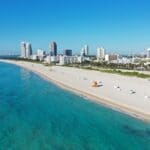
pixel 100 53
pixel 82 52
pixel 85 51
pixel 148 53
pixel 23 49
pixel 26 50
pixel 40 52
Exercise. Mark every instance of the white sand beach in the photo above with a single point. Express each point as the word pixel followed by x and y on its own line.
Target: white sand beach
pixel 132 96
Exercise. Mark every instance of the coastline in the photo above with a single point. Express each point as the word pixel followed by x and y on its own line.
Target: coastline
pixel 108 102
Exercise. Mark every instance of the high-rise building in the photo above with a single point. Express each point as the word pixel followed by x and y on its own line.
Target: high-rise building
pixel 68 52
pixel 100 53
pixel 82 52
pixel 86 50
pixel 148 53
pixel 23 49
pixel 40 52
pixel 53 49
pixel 28 50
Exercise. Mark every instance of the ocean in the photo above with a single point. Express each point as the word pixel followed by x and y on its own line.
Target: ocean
pixel 38 115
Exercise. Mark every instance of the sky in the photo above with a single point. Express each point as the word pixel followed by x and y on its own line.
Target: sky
pixel 121 26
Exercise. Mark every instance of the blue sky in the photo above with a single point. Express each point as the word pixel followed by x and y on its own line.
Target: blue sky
pixel 119 25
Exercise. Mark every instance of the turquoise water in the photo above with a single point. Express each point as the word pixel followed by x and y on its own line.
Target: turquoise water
pixel 37 115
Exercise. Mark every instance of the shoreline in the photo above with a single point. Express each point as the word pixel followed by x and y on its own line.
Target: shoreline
pixel 109 103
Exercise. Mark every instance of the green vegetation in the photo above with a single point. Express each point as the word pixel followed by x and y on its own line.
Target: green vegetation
pixel 27 60
pixel 112 71
pixel 30 60
pixel 46 64
pixel 127 73
pixel 99 66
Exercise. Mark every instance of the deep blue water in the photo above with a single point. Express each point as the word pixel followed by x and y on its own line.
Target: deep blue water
pixel 38 115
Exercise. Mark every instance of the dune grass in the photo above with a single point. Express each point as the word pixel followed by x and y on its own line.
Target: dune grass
pixel 116 71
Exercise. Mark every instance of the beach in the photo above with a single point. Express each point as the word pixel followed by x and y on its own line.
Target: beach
pixel 135 103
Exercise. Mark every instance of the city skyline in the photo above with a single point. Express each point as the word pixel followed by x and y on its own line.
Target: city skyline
pixel 119 26
pixel 85 50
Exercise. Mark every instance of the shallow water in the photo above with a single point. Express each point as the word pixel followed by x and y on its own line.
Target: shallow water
pixel 38 115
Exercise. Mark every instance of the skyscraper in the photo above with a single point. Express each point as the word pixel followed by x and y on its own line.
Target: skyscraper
pixel 23 49
pixel 28 50
pixel 148 53
pixel 53 49
pixel 82 52
pixel 86 50
pixel 100 53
